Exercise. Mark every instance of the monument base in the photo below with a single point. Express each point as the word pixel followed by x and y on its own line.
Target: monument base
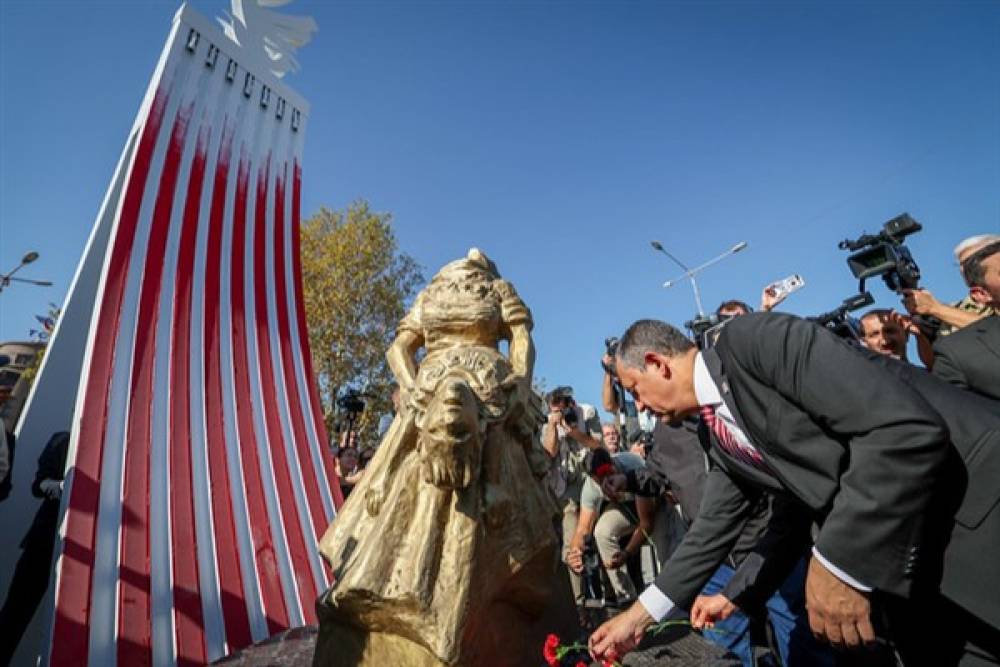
pixel 340 645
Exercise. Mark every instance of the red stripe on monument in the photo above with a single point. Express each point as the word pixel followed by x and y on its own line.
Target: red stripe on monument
pixel 269 575
pixel 134 588
pixel 189 623
pixel 292 399
pixel 300 312
pixel 234 611
pixel 71 626
pixel 289 511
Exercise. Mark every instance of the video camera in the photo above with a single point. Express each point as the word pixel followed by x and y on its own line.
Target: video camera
pixel 349 406
pixel 884 254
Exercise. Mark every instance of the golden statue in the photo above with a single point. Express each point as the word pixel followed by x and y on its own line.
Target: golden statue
pixel 444 552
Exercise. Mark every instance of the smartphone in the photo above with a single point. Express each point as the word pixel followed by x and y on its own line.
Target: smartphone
pixel 780 289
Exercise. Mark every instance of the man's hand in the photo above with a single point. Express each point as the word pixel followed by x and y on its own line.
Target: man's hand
pixel 574 559
pixel 920 302
pixel 905 323
pixel 619 635
pixel 555 418
pixel 768 300
pixel 837 612
pixel 612 485
pixel 707 609
pixel 617 560
pixel 52 488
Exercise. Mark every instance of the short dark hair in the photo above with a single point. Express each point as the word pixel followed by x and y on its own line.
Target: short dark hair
pixel 560 394
pixel 881 313
pixel 595 459
pixel 972 267
pixel 733 304
pixel 651 335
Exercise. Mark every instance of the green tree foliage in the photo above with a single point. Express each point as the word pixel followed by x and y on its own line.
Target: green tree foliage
pixel 357 286
pixel 31 372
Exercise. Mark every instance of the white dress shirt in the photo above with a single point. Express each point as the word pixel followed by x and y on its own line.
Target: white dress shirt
pixel 652 599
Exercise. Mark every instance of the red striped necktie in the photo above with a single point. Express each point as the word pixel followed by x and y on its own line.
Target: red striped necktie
pixel 748 455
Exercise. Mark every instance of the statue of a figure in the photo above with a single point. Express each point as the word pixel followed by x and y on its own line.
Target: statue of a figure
pixel 444 551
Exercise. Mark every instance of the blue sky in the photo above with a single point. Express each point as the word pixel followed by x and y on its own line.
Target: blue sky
pixel 560 137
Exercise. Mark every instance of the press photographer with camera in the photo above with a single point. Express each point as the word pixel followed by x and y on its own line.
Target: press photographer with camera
pixel 963 312
pixel 970 358
pixel 885 331
pixel 570 432
pixel 611 519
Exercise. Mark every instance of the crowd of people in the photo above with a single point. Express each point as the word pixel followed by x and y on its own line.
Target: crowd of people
pixel 797 490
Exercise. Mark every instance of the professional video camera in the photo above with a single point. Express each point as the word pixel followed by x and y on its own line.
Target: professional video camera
pixel 881 254
pixel 349 406
pixel 884 254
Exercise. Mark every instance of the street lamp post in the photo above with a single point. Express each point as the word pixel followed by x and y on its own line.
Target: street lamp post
pixel 6 279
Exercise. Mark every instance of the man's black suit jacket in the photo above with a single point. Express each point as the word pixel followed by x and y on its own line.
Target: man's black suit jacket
pixel 873 448
pixel 970 357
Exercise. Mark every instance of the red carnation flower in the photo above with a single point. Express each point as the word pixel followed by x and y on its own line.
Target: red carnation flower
pixel 549 650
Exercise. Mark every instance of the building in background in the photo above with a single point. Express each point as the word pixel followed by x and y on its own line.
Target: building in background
pixel 15 358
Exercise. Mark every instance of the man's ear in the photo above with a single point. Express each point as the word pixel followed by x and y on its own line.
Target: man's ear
pixel 979 294
pixel 657 363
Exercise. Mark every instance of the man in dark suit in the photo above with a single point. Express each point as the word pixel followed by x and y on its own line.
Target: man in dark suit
pixel 678 464
pixel 892 463
pixel 970 357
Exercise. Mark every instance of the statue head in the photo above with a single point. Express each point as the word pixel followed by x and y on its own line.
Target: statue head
pixel 475 264
pixel 451 434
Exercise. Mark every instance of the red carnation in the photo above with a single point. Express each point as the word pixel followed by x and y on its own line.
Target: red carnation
pixel 549 650
pixel 582 664
pixel 604 470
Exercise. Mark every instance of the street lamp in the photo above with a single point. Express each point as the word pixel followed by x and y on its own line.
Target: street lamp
pixel 6 279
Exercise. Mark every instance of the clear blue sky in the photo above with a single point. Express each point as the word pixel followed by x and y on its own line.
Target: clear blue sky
pixel 560 137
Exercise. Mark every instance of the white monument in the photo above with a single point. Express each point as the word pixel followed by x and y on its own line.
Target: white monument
pixel 197 480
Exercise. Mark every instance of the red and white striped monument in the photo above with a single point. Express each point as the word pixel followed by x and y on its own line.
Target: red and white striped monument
pixel 198 480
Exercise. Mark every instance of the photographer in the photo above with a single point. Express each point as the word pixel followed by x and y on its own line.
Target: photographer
pixel 612 518
pixel 963 312
pixel 885 331
pixel 348 468
pixel 569 433
pixel 970 358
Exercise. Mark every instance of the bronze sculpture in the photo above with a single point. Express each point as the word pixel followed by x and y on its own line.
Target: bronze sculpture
pixel 444 551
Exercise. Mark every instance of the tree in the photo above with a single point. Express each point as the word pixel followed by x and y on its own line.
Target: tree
pixel 357 285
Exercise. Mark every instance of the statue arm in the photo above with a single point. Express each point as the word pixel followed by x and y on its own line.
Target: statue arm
pixel 402 356
pixel 522 351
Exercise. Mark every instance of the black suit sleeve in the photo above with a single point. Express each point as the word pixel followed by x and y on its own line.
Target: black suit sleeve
pixel 895 443
pixel 947 368
pixel 724 510
pixel 785 540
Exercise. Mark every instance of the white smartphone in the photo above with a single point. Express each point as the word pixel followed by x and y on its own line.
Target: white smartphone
pixel 780 289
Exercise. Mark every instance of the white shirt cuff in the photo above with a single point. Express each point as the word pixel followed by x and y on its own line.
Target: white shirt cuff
pixel 655 603
pixel 840 574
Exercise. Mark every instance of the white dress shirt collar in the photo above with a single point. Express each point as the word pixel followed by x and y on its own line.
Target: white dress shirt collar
pixel 705 389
